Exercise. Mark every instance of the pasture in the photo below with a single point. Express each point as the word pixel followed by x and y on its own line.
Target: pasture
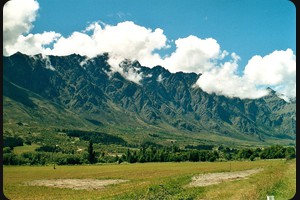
pixel 153 181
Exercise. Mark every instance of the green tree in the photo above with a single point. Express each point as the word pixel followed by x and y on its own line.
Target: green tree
pixel 128 156
pixel 91 153
pixel 290 153
pixel 7 150
pixel 244 153
pixel 193 155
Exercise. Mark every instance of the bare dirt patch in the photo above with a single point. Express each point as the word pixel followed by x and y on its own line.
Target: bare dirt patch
pixel 75 184
pixel 216 178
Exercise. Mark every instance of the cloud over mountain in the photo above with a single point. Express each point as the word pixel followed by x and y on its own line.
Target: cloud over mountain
pixel 276 70
pixel 224 80
pixel 127 40
pixel 193 54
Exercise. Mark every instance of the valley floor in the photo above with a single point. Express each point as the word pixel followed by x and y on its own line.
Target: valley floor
pixel 233 180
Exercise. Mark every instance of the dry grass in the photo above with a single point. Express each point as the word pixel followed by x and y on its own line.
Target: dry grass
pixel 152 180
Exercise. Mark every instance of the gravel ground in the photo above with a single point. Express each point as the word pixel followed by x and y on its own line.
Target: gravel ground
pixel 76 184
pixel 216 178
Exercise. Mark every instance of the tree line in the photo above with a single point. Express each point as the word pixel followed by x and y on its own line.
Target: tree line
pixel 175 154
pixel 46 155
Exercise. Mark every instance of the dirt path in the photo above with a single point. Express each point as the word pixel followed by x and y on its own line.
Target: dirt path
pixel 76 184
pixel 94 184
pixel 215 178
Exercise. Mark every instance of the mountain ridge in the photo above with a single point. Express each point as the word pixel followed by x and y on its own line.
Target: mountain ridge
pixel 93 91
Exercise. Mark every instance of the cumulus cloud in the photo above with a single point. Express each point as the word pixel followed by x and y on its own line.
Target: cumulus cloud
pixel 124 40
pixel 276 70
pixel 32 44
pixel 18 16
pixel 224 80
pixel 77 42
pixel 193 54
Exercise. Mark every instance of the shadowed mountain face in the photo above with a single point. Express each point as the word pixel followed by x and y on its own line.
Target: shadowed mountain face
pixel 97 95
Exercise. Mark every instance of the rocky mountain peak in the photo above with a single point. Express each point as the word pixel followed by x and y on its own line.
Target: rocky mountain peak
pixel 153 96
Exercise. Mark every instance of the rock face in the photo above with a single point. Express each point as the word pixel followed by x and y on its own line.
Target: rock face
pixel 139 95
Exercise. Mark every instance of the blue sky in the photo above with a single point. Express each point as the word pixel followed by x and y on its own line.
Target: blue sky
pixel 246 27
pixel 240 47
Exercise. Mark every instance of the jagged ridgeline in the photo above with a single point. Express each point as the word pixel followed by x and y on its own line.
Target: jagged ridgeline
pixel 79 93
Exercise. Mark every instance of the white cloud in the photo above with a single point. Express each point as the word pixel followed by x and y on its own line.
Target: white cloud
pixel 78 43
pixel 159 78
pixel 224 81
pixel 126 69
pixel 47 62
pixel 276 70
pixel 45 59
pixel 125 40
pixel 133 76
pixel 34 43
pixel 148 75
pixel 135 42
pixel 18 16
pixel 193 54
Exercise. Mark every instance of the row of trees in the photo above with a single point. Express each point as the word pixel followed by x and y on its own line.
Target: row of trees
pixel 154 154
pixel 44 158
pixel 43 155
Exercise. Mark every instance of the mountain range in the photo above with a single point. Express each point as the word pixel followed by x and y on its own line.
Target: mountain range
pixel 136 102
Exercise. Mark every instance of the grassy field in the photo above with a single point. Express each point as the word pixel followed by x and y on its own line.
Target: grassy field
pixel 25 148
pixel 155 181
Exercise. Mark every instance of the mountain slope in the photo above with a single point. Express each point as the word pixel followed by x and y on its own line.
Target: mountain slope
pixel 137 98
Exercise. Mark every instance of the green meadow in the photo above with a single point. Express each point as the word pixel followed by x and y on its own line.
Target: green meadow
pixel 155 181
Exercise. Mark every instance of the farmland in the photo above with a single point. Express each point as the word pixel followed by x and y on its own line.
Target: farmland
pixel 155 180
